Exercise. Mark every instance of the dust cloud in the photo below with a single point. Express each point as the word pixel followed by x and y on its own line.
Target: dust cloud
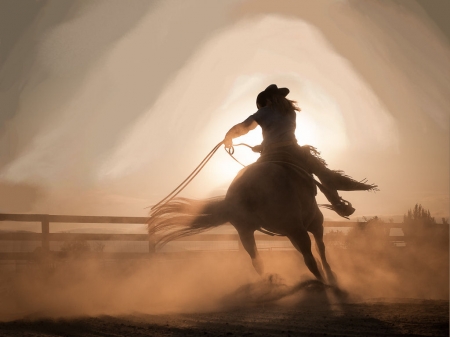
pixel 389 272
pixel 80 285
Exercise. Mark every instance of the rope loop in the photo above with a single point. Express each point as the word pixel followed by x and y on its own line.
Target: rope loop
pixel 230 150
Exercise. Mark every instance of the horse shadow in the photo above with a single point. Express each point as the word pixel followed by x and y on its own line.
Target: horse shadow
pixel 272 290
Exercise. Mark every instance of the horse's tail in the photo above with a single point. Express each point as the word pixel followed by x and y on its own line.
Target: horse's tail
pixel 182 217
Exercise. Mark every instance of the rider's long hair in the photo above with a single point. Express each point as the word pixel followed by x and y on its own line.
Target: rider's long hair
pixel 283 104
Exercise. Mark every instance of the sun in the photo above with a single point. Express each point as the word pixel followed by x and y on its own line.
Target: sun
pixel 306 131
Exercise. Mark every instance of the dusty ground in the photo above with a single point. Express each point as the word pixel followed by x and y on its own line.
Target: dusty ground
pixel 223 296
pixel 374 318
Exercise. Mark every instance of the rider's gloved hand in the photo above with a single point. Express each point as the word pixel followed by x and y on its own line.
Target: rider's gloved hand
pixel 228 142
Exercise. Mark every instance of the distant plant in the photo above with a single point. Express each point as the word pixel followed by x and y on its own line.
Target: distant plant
pixel 367 221
pixel 423 231
pixel 75 247
pixel 98 247
pixel 370 234
pixel 79 247
pixel 335 239
pixel 419 214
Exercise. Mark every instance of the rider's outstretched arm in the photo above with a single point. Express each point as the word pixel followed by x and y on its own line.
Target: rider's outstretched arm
pixel 239 130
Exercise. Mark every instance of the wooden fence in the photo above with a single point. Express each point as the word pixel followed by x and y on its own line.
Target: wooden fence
pixel 45 236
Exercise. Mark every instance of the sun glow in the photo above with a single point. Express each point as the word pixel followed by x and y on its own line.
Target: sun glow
pixel 252 138
pixel 225 168
pixel 306 132
pixel 319 123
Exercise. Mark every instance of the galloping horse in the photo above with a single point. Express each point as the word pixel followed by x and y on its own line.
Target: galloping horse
pixel 264 196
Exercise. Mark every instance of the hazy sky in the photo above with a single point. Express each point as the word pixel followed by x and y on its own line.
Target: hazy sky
pixel 108 105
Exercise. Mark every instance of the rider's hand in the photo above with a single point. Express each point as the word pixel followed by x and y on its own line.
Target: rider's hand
pixel 228 142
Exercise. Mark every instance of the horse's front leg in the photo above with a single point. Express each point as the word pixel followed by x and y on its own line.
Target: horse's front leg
pixel 318 237
pixel 301 241
pixel 248 242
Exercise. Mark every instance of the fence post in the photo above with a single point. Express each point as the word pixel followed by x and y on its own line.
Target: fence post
pixel 151 243
pixel 45 233
pixel 240 246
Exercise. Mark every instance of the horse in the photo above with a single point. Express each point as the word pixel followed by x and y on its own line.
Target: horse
pixel 269 197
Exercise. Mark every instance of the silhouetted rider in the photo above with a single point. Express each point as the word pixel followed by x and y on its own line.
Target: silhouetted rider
pixel 277 117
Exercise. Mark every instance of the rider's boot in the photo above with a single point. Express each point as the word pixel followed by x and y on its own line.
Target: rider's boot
pixel 342 207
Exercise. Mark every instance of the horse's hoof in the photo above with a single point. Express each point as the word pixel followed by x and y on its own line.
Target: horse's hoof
pixel 332 279
pixel 274 279
pixel 258 265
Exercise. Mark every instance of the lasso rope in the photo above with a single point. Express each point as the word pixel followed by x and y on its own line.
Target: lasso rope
pixel 186 181
pixel 196 171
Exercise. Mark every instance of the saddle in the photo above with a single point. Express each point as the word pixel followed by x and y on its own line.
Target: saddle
pixel 287 160
pixel 306 161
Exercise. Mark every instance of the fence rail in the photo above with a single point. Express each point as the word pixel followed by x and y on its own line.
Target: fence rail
pixel 73 218
pixel 45 236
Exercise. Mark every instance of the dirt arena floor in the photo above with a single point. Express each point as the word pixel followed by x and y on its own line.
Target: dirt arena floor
pixel 223 296
pixel 375 318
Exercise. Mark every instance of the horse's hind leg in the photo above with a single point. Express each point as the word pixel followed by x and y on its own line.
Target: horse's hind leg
pixel 300 239
pixel 249 243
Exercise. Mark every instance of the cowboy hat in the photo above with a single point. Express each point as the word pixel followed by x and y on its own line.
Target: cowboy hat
pixel 270 91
